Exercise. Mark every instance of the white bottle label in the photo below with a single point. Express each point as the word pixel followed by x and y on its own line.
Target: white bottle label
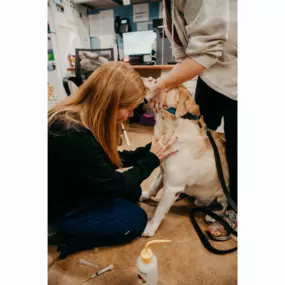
pixel 142 278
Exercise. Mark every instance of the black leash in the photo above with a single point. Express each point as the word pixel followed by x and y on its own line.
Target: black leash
pixel 204 239
pixel 220 171
pixel 207 210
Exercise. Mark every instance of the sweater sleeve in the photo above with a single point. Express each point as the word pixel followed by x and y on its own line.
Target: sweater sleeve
pixel 207 30
pixel 129 158
pixel 87 162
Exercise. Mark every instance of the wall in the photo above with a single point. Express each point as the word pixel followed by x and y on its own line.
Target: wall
pixel 69 29
pixel 124 11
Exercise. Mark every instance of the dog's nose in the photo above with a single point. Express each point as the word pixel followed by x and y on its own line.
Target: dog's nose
pixel 147 97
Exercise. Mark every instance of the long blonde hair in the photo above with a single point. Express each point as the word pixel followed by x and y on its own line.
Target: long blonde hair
pixel 112 86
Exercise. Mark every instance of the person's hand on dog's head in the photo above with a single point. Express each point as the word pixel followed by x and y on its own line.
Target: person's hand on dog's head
pixel 157 95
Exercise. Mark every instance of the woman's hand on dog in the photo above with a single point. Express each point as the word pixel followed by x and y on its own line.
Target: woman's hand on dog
pixel 162 147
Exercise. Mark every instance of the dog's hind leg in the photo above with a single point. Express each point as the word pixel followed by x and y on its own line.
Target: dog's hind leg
pixel 155 186
pixel 167 200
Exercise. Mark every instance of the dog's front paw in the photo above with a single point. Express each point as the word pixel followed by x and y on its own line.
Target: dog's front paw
pixel 149 230
pixel 145 196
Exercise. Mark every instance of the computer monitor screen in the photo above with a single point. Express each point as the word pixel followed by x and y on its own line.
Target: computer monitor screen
pixel 137 43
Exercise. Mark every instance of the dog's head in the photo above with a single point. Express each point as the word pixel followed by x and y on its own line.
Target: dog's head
pixel 178 99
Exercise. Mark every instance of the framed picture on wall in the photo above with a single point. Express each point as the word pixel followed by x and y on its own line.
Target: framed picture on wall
pixel 141 12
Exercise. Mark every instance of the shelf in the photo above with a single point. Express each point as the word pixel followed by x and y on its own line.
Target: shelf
pixel 109 4
pixel 145 67
pixel 153 67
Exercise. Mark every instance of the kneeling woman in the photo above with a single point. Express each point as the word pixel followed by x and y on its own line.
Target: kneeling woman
pixel 89 202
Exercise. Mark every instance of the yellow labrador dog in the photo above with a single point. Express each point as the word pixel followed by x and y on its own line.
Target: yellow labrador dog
pixel 192 169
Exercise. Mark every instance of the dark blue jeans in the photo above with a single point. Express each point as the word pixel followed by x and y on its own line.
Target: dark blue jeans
pixel 100 223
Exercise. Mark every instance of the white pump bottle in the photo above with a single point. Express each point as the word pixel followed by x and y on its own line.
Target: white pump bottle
pixel 147 265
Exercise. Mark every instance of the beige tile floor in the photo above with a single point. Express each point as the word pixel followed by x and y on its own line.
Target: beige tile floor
pixel 183 262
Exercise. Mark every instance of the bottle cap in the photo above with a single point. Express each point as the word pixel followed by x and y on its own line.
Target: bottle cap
pixel 147 254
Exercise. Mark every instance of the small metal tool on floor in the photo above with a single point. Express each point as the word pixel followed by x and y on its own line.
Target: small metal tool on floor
pixel 100 272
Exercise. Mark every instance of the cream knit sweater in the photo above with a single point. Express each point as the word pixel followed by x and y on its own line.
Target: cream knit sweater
pixel 207 30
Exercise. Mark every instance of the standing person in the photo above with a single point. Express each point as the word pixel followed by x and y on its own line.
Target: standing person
pixel 203 34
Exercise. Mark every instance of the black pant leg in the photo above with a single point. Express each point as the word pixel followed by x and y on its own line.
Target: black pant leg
pixel 213 107
pixel 230 119
pixel 210 103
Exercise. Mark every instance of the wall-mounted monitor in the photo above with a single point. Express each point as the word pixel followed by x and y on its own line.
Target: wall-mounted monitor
pixel 138 43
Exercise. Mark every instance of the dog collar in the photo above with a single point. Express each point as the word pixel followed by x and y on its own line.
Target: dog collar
pixel 188 115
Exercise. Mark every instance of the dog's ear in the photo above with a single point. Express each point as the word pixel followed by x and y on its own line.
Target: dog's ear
pixel 192 108
pixel 181 108
pixel 190 104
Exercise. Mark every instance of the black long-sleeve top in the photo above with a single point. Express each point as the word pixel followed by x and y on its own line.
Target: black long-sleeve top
pixel 79 169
